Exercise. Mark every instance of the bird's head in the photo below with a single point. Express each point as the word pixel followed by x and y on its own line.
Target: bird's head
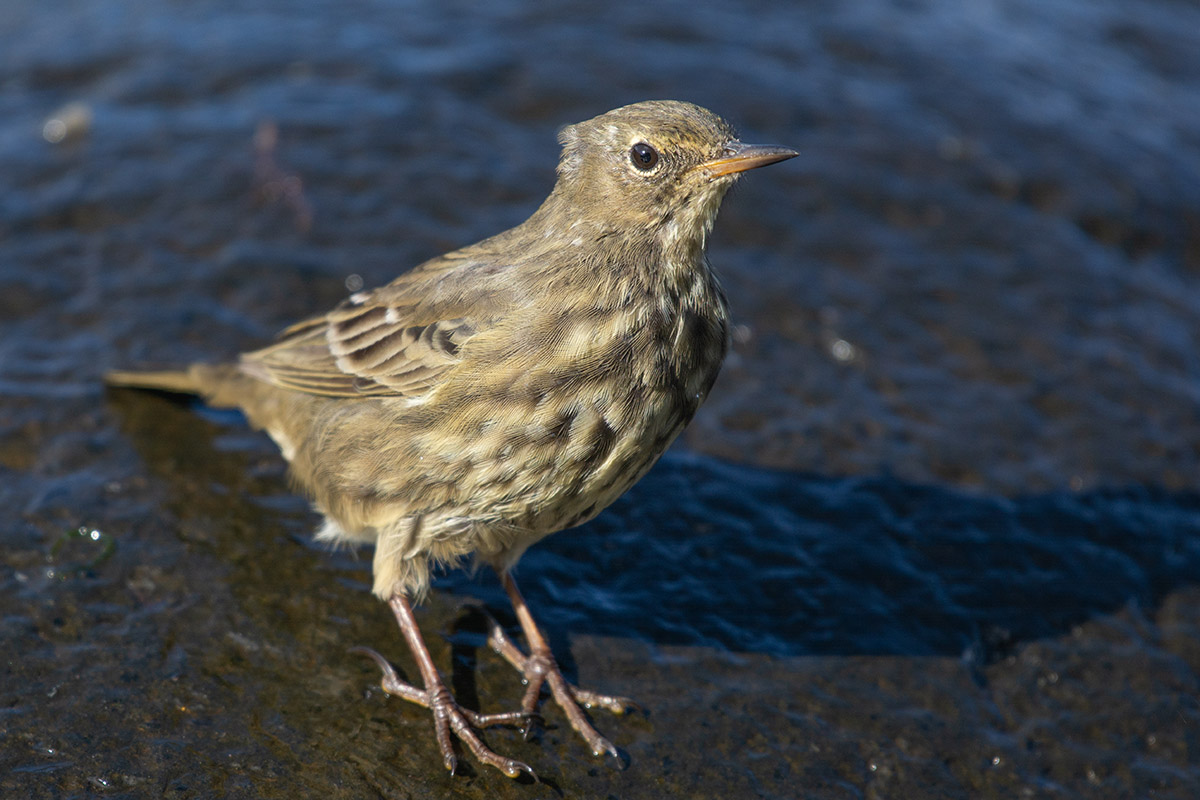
pixel 656 168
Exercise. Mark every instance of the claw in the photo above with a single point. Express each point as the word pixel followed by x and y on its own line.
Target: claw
pixel 513 769
pixel 391 682
pixel 374 656
pixel 532 722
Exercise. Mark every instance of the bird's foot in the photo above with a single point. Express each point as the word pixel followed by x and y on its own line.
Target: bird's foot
pixel 539 668
pixel 449 717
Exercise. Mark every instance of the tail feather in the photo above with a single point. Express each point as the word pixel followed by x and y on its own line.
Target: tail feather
pixel 164 381
pixel 221 385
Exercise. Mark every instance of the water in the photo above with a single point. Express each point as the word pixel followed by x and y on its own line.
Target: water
pixel 934 535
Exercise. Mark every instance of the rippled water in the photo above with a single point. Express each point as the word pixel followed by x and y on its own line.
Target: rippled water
pixel 936 534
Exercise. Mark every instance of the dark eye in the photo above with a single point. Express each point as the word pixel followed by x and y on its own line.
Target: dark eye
pixel 643 156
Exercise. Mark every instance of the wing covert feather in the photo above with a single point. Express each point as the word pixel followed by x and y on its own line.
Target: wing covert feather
pixel 398 340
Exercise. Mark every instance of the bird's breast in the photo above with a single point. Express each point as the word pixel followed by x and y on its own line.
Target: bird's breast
pixel 612 391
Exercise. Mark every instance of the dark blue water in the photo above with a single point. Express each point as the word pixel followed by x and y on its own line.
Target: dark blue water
pixel 936 533
pixel 752 560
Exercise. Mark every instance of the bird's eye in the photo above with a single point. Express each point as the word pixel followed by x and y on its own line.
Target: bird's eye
pixel 643 156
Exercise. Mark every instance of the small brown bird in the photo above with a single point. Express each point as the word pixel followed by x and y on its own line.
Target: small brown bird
pixel 510 389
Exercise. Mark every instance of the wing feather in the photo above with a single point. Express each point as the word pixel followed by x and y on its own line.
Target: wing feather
pixel 399 340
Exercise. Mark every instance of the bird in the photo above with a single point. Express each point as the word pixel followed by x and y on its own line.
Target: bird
pixel 508 390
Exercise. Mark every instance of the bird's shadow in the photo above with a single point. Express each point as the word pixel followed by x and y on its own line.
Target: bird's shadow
pixel 708 553
pixel 704 552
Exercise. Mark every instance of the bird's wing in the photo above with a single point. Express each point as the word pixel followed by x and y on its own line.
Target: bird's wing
pixel 398 340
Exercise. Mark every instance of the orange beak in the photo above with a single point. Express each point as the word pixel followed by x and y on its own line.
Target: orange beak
pixel 741 157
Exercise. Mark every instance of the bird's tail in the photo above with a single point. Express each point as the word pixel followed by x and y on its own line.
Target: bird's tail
pixel 180 382
pixel 221 385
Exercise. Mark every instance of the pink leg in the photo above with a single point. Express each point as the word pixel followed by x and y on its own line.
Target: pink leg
pixel 448 716
pixel 540 668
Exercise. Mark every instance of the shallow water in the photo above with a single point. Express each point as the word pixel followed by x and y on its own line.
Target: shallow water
pixel 936 533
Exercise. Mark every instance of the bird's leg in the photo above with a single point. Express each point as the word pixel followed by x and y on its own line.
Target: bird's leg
pixel 448 716
pixel 539 668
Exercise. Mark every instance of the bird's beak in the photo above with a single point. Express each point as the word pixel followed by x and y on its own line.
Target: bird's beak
pixel 740 157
